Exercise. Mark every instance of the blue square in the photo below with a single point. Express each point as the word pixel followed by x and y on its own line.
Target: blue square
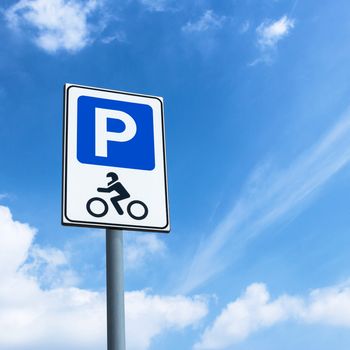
pixel 135 152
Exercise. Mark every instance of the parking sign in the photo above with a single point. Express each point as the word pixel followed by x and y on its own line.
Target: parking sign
pixel 114 167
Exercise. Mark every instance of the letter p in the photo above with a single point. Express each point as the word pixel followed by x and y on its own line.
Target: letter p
pixel 102 135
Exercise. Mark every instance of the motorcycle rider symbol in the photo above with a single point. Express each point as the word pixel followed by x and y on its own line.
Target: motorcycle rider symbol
pixel 136 209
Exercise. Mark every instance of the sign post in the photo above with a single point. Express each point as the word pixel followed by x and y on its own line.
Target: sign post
pixel 115 290
pixel 114 177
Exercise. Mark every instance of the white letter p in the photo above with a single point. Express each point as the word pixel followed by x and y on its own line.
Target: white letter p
pixel 102 136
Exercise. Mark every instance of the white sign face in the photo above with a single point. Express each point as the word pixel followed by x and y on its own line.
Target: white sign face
pixel 114 168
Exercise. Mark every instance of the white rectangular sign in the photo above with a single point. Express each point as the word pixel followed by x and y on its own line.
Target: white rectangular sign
pixel 114 166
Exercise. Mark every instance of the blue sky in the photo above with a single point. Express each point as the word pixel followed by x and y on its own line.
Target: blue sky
pixel 258 145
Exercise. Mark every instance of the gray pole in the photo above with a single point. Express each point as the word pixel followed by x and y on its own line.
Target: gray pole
pixel 115 290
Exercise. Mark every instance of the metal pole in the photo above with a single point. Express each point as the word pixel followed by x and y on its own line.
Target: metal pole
pixel 115 290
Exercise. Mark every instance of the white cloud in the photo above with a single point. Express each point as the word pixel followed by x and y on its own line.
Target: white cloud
pixel 50 266
pixel 30 315
pixel 55 24
pixel 67 317
pixel 140 248
pixel 330 306
pixel 270 33
pixel 15 241
pixel 245 315
pixel 209 20
pixel 270 195
pixel 254 311
pixel 149 315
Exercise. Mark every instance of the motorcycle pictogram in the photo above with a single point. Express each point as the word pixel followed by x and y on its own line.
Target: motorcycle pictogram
pixel 115 186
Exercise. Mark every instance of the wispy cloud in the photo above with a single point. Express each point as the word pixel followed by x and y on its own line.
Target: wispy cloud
pixel 244 27
pixel 51 267
pixel 67 317
pixel 119 37
pixel 157 5
pixel 209 20
pixel 56 24
pixel 269 34
pixel 141 248
pixel 254 311
pixel 270 195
